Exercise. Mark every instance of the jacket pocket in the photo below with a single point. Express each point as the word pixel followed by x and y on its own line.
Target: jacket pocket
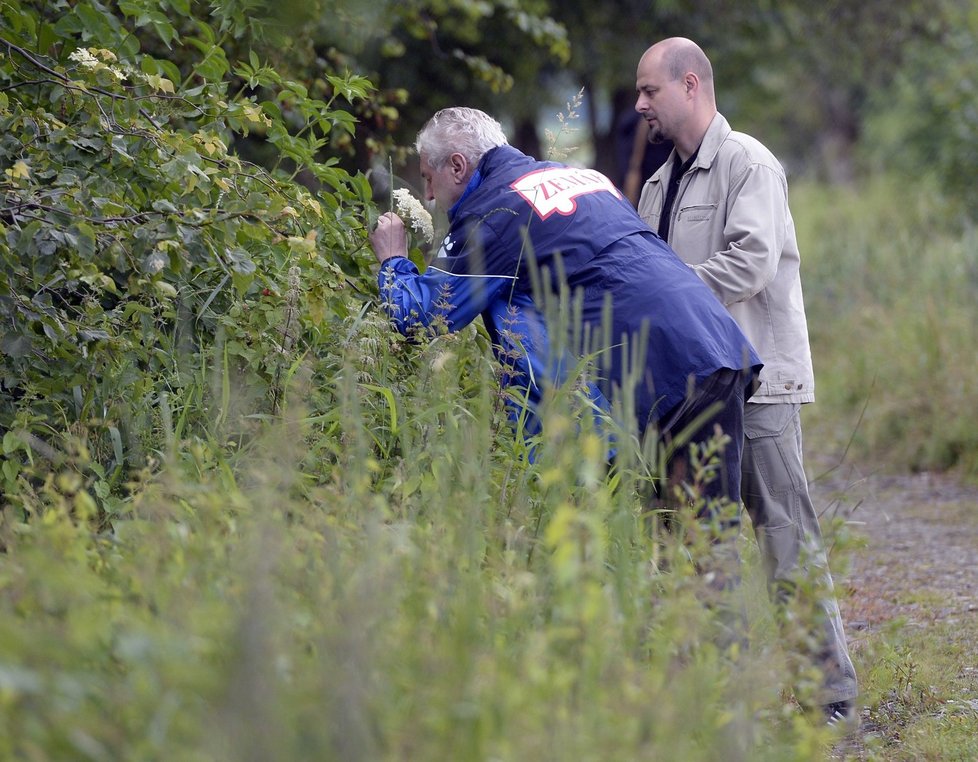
pixel 692 231
pixel 696 213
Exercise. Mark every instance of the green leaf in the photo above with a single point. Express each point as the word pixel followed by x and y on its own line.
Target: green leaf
pixel 352 87
pixel 46 38
pixel 214 66
pixel 85 239
pixel 132 308
pixel 180 6
pixel 241 261
pixel 388 396
pixel 116 438
pixel 12 443
pixel 10 470
pixel 16 345
pixel 242 282
pixel 165 205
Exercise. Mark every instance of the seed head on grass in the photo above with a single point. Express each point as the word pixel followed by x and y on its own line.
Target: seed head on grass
pixel 555 152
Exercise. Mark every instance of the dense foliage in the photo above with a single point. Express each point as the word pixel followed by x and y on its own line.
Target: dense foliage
pixel 138 249
pixel 242 519
pixel 927 123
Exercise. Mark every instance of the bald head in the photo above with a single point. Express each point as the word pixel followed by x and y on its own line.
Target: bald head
pixel 674 82
pixel 678 56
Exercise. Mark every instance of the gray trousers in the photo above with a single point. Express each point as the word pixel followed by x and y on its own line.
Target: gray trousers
pixel 774 488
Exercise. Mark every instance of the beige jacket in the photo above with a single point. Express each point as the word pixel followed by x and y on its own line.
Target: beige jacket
pixel 731 223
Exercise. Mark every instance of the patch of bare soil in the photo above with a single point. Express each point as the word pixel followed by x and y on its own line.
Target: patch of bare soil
pixel 919 563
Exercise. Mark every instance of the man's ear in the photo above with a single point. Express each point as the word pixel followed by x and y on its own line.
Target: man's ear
pixel 460 167
pixel 691 81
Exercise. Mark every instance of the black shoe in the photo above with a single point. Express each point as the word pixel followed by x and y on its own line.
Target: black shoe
pixel 841 715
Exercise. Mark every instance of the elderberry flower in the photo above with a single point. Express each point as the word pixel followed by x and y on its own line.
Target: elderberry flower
pixel 88 58
pixel 409 207
pixel 84 57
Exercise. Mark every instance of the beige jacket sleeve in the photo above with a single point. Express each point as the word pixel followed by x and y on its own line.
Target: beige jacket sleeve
pixel 754 233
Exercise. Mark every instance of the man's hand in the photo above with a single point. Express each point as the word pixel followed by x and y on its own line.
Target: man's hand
pixel 389 238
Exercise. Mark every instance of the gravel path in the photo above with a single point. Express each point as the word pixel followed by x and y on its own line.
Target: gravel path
pixel 919 563
pixel 921 556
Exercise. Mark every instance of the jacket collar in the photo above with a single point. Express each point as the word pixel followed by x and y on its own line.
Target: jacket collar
pixel 484 168
pixel 715 134
pixel 713 138
pixel 474 182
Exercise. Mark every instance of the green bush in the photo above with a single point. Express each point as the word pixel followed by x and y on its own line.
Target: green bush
pixel 139 252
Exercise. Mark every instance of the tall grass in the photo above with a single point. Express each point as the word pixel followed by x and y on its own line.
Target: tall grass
pixel 380 574
pixel 891 287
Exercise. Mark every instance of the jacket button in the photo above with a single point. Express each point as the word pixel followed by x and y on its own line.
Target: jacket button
pixel 788 387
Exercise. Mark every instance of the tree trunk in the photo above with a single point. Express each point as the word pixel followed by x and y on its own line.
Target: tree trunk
pixel 837 141
pixel 526 137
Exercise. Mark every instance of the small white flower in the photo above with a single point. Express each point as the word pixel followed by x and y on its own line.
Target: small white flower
pixel 88 58
pixel 409 207
pixel 84 57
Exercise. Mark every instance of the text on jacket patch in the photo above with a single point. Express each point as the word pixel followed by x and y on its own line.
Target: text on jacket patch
pixel 557 189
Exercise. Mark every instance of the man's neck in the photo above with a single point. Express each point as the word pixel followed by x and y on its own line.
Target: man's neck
pixel 690 143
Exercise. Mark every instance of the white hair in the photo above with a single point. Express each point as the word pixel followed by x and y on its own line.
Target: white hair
pixel 459 129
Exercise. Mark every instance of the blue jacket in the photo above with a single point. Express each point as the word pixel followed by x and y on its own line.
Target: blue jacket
pixel 522 231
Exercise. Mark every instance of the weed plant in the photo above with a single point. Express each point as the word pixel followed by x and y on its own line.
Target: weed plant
pixel 379 573
pixel 919 694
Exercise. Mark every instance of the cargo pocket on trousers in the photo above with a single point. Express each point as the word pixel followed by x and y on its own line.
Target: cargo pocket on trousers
pixel 772 490
pixel 771 446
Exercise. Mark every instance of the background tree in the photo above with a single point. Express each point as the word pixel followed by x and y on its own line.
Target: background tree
pixel 798 75
pixel 441 52
pixel 926 123
pixel 808 80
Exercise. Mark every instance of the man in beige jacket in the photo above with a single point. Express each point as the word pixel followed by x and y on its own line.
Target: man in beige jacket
pixel 721 202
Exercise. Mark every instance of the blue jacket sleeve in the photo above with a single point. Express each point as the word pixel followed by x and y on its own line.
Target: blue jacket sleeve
pixel 413 300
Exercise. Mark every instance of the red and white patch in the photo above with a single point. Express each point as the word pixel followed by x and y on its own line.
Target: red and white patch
pixel 557 189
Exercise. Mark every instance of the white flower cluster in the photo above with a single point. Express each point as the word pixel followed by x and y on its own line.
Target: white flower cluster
pixel 88 58
pixel 407 206
pixel 84 57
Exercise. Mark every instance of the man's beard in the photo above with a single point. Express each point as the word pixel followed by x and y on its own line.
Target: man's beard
pixel 656 136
